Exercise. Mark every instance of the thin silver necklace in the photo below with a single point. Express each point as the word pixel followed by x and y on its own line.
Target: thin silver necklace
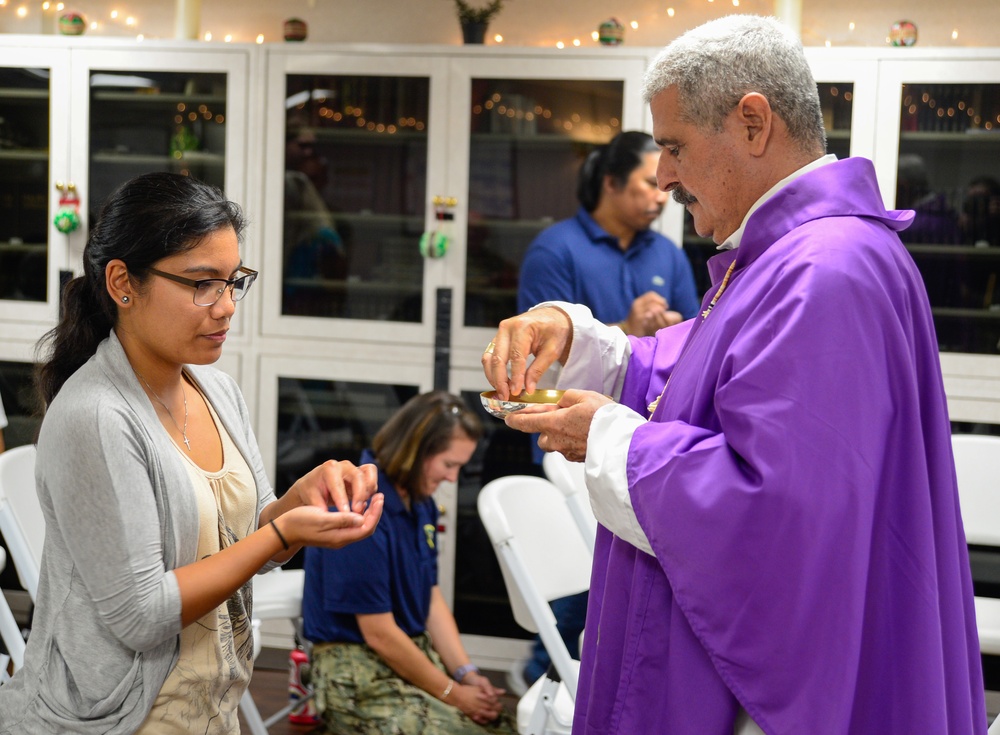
pixel 184 431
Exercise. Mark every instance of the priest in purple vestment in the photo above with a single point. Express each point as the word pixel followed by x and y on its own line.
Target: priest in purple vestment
pixel 781 548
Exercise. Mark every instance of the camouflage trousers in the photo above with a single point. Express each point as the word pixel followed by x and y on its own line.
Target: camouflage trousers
pixel 358 694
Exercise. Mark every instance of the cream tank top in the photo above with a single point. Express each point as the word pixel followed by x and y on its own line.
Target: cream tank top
pixel 202 693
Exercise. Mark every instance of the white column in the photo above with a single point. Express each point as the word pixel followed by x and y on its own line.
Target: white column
pixel 187 23
pixel 790 13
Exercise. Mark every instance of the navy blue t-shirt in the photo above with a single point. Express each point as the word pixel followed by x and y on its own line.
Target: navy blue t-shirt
pixel 393 570
pixel 575 260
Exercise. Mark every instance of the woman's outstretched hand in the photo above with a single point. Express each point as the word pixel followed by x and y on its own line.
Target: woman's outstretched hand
pixel 310 525
pixel 341 484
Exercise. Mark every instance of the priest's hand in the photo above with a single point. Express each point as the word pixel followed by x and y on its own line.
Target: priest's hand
pixel 546 333
pixel 563 427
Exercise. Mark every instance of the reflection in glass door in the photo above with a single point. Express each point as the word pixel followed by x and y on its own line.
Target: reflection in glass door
pixel 155 121
pixel 528 140
pixel 355 187
pixel 949 174
pixel 24 183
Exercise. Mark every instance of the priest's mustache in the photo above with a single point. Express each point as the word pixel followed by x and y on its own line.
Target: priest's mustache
pixel 683 196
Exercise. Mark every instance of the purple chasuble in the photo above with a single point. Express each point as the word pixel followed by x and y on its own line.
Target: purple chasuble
pixel 796 482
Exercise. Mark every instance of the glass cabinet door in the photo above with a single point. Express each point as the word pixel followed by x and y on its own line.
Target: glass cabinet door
pixel 527 141
pixel 159 110
pixel 24 183
pixel 155 121
pixel 354 191
pixel 526 128
pixel 357 144
pixel 948 173
pixel 33 150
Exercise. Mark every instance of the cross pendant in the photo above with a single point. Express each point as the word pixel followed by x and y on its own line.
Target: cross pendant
pixel 187 443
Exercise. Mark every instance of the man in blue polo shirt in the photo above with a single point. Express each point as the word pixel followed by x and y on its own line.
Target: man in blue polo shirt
pixel 608 259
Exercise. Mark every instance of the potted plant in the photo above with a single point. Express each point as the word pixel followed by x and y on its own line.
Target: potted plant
pixel 475 20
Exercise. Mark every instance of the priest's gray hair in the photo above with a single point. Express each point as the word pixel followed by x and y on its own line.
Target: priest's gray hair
pixel 715 64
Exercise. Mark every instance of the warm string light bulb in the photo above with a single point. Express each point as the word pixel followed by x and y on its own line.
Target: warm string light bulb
pixel 670 12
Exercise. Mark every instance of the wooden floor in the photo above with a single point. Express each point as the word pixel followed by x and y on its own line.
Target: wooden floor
pixel 269 687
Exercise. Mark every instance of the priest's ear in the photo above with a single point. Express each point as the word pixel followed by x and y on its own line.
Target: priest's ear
pixel 755 119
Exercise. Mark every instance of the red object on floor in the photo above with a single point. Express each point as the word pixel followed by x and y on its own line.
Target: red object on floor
pixel 298 692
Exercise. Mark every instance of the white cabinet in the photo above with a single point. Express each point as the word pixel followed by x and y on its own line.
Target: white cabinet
pixel 81 117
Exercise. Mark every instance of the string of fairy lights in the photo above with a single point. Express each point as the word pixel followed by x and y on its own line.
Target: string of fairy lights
pixel 118 21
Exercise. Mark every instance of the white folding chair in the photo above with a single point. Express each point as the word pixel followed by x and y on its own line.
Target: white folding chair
pixel 276 595
pixel 10 633
pixel 21 521
pixel 543 557
pixel 23 527
pixel 977 465
pixel 571 478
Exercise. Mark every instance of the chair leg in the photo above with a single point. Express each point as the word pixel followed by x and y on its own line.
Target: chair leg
pixel 10 633
pixel 995 727
pixel 248 708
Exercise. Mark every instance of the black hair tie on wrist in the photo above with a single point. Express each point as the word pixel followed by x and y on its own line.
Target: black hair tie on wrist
pixel 282 538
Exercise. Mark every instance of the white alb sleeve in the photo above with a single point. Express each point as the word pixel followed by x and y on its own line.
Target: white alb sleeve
pixel 598 356
pixel 607 477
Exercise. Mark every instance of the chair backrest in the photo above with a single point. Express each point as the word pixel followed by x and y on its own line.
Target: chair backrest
pixel 10 631
pixel 542 556
pixel 21 521
pixel 977 463
pixel 571 478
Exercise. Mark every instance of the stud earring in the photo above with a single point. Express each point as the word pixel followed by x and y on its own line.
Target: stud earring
pixel 124 299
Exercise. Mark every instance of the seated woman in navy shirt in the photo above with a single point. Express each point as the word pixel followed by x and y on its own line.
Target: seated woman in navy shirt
pixel 387 657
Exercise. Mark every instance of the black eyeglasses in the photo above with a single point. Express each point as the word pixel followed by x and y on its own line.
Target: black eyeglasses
pixel 208 291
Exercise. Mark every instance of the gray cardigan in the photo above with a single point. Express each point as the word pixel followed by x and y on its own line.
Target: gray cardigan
pixel 120 514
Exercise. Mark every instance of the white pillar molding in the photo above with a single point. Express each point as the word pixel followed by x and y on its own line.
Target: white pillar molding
pixel 187 24
pixel 790 13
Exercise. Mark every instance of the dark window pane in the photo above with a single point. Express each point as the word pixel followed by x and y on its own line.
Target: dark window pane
pixel 24 183
pixel 528 139
pixel 949 174
pixel 355 188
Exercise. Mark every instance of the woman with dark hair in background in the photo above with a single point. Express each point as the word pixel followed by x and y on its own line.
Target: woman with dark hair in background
pixel 606 257
pixel 157 509
pixel 387 657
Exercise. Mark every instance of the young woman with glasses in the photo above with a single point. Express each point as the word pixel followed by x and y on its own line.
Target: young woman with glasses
pixel 157 509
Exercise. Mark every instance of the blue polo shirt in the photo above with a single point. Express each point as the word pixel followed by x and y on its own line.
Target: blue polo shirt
pixel 575 260
pixel 393 570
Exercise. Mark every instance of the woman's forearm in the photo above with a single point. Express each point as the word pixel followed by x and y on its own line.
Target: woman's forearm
pixel 444 633
pixel 208 582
